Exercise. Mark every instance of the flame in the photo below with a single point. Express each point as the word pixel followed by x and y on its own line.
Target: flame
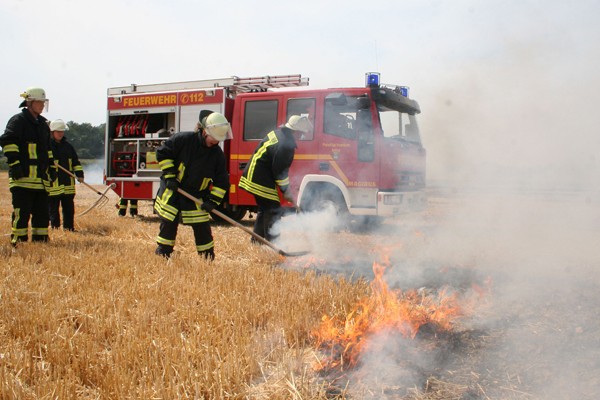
pixel 344 339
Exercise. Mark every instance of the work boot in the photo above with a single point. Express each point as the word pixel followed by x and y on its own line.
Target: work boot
pixel 164 251
pixel 18 239
pixel 208 254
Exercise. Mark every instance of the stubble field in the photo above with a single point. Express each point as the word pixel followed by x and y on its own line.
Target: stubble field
pixel 94 314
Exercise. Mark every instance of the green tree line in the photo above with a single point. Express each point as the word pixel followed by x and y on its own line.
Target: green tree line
pixel 88 141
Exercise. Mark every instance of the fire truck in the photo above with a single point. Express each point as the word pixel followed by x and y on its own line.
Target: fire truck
pixel 364 156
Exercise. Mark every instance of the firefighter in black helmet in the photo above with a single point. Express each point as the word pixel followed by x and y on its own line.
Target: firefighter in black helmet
pixel 195 162
pixel 26 145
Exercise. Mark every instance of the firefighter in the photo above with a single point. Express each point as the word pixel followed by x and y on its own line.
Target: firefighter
pixel 62 191
pixel 26 144
pixel 195 162
pixel 122 207
pixel 268 170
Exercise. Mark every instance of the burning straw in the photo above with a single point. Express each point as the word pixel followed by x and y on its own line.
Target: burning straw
pixel 345 339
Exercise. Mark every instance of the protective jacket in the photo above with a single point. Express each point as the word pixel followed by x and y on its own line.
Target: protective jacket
pixel 26 145
pixel 66 156
pixel 200 170
pixel 269 166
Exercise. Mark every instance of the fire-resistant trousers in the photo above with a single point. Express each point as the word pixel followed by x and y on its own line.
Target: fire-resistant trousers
pixel 68 211
pixel 29 203
pixel 202 237
pixel 269 212
pixel 133 207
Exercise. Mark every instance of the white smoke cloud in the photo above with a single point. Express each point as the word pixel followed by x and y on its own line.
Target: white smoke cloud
pixel 94 172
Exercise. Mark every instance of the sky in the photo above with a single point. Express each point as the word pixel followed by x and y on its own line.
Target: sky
pixel 507 88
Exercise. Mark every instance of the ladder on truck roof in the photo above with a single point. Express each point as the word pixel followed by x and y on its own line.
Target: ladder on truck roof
pixel 233 84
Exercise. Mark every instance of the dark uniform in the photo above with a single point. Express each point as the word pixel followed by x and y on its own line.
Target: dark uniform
pixel 202 172
pixel 267 170
pixel 62 191
pixel 122 207
pixel 26 145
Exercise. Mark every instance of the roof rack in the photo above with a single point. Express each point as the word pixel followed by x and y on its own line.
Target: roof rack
pixel 233 84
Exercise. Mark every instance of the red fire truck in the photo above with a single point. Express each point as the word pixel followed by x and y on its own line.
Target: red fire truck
pixel 364 157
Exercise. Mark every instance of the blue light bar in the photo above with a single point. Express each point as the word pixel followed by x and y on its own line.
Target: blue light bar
pixel 372 78
pixel 401 90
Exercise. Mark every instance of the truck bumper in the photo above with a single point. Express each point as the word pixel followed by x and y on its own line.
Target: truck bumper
pixel 390 204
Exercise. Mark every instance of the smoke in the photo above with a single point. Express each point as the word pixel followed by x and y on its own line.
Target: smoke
pixel 94 172
pixel 537 328
pixel 514 200
pixel 513 160
pixel 524 119
pixel 515 196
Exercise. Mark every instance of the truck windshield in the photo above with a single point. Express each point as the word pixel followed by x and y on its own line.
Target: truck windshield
pixel 399 125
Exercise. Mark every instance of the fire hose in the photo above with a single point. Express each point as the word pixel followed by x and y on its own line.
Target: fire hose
pixel 242 227
pixel 101 200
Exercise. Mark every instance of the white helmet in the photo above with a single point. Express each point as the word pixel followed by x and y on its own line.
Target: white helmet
pixel 217 126
pixel 33 94
pixel 58 125
pixel 299 123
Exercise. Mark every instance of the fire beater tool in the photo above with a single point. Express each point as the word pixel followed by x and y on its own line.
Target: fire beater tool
pixel 242 227
pixel 101 200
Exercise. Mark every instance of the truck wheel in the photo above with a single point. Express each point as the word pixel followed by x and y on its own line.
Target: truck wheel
pixel 323 198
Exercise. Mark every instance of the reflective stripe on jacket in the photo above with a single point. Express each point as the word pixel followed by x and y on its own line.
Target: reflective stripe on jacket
pixel 200 170
pixel 269 165
pixel 26 145
pixel 66 156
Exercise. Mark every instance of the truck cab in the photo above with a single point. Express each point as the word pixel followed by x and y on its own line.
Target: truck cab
pixel 364 156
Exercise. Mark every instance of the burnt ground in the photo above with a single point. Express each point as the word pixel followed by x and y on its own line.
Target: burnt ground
pixel 534 333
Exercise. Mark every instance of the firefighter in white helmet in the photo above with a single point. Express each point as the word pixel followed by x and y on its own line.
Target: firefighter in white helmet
pixel 26 144
pixel 195 162
pixel 267 171
pixel 62 191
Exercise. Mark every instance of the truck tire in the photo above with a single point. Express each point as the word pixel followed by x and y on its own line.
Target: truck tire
pixel 322 197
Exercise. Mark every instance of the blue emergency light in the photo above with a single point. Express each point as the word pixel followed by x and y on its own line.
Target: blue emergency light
pixel 401 90
pixel 372 78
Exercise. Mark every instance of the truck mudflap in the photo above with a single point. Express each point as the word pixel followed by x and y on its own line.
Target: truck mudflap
pixel 390 204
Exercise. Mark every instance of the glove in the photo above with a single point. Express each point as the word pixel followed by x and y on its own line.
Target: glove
pixel 172 184
pixel 16 172
pixel 80 179
pixel 208 205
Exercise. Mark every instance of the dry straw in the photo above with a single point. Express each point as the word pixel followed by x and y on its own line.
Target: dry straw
pixel 96 315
